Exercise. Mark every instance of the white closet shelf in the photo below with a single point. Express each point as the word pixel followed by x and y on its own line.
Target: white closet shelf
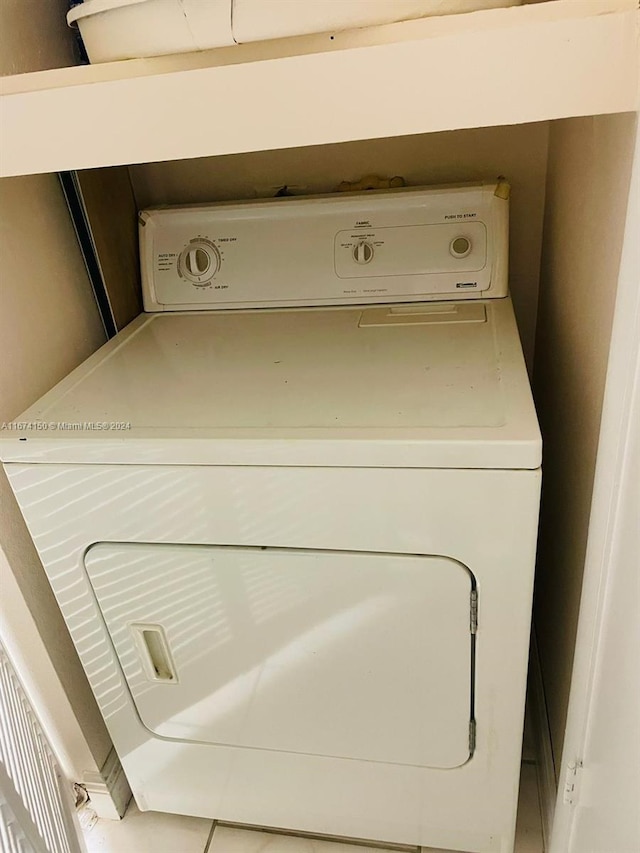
pixel 503 66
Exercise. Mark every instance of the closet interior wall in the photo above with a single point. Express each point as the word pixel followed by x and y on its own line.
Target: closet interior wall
pixel 586 205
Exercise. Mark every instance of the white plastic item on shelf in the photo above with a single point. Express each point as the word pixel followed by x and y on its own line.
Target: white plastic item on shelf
pixel 128 29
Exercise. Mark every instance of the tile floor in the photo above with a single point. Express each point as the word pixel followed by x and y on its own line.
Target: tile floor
pixel 152 832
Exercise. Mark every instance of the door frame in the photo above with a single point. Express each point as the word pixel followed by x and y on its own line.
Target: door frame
pixel 605 548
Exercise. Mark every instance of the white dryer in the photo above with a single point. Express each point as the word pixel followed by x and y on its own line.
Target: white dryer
pixel 289 515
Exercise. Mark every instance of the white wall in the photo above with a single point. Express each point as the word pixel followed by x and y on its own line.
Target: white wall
pixel 49 323
pixel 603 722
pixel 608 802
pixel 30 657
pixel 49 318
pixel 587 189
pixel 519 152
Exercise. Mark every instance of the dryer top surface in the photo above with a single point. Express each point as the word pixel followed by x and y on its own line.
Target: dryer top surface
pixel 424 385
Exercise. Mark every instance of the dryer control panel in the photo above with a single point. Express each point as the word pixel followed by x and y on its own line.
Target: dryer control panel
pixel 391 246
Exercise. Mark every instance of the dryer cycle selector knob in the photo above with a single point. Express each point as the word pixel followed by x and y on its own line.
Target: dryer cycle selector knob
pixel 363 252
pixel 199 261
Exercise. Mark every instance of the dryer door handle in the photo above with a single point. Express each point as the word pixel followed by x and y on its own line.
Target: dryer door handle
pixel 154 651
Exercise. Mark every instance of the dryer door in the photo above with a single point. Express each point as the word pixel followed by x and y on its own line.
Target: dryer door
pixel 347 654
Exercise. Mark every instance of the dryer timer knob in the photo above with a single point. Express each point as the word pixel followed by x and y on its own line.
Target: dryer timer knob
pixel 199 261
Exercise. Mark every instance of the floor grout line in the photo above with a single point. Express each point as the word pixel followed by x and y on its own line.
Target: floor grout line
pixel 370 844
pixel 207 846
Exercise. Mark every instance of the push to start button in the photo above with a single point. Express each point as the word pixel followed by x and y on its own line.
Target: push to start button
pixel 460 247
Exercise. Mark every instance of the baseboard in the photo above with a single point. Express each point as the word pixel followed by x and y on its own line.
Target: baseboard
pixel 547 788
pixel 108 790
